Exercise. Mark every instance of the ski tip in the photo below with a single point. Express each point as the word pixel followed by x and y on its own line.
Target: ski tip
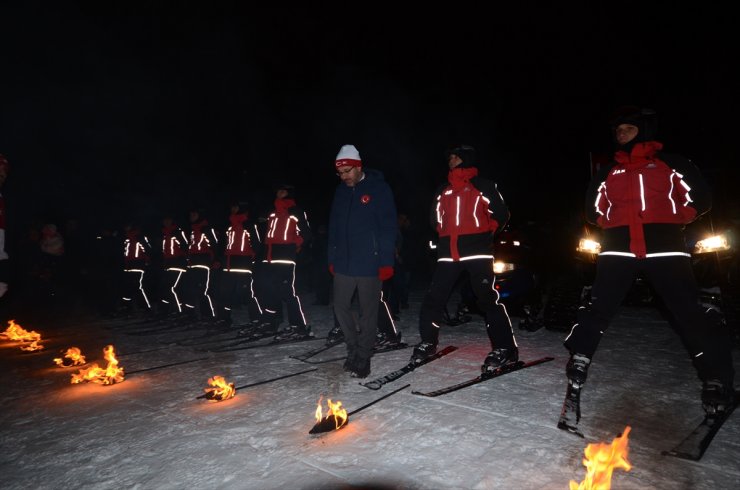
pixel 682 455
pixel 570 429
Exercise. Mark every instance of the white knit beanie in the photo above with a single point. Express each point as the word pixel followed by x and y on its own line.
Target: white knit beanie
pixel 348 156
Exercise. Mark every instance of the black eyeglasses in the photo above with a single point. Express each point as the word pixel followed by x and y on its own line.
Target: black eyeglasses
pixel 344 172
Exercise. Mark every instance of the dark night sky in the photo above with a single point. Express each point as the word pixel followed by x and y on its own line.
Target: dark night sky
pixel 113 111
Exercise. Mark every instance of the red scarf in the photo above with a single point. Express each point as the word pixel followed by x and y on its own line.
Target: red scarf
pixel 641 154
pixel 283 205
pixel 237 220
pixel 458 177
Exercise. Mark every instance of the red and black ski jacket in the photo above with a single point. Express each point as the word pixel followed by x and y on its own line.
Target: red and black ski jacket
pixel 174 248
pixel 136 250
pixel 238 252
pixel 287 228
pixel 466 213
pixel 644 200
pixel 203 241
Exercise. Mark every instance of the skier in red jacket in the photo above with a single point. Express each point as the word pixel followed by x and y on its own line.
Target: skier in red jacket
pixel 287 229
pixel 136 259
pixel 467 212
pixel 201 261
pixel 174 265
pixel 642 202
pixel 237 285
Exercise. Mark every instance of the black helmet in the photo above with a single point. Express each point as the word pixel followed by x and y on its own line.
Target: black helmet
pixel 289 188
pixel 241 204
pixel 645 119
pixel 466 153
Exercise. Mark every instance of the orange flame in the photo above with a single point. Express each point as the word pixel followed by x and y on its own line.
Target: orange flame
pixel 110 375
pixel 335 410
pixel 73 357
pixel 33 346
pixel 16 332
pixel 601 460
pixel 221 389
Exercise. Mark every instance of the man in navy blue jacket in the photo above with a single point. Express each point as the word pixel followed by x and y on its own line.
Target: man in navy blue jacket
pixel 362 236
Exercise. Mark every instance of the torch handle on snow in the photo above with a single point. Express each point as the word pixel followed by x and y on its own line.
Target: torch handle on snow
pixel 265 381
pixel 376 401
pixel 275 379
pixel 166 366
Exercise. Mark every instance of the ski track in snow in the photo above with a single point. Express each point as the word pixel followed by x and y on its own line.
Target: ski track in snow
pixel 150 432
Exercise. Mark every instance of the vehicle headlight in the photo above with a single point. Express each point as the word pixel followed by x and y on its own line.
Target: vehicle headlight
pixel 716 243
pixel 589 246
pixel 501 267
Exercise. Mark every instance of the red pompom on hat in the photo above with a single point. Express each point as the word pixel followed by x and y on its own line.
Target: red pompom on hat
pixel 348 156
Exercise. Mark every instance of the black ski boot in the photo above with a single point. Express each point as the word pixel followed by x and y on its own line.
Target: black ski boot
pixel 422 351
pixel 335 336
pixel 383 340
pixel 463 314
pixel 223 321
pixel 577 371
pixel 294 332
pixel 257 329
pixel 717 397
pixel 498 358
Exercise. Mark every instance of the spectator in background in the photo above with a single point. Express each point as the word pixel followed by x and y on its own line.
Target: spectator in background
pixel 51 264
pixel 320 266
pixel 4 269
pixel 106 262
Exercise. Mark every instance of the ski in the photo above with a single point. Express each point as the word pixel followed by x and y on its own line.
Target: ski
pixel 172 327
pixel 506 369
pixel 377 383
pixel 571 412
pixel 210 337
pixel 377 350
pixel 693 446
pixel 234 341
pixel 136 322
pixel 309 354
pixel 268 344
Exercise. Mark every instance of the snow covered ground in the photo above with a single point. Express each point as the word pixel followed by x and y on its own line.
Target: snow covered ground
pixel 151 432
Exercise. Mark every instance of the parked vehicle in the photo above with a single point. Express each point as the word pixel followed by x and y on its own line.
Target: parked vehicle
pixel 714 257
pixel 518 280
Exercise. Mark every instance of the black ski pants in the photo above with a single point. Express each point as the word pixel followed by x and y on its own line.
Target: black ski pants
pixel 482 278
pixel 276 284
pixel 673 280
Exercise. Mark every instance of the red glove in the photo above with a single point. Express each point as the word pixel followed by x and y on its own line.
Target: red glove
pixel 331 269
pixel 385 272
